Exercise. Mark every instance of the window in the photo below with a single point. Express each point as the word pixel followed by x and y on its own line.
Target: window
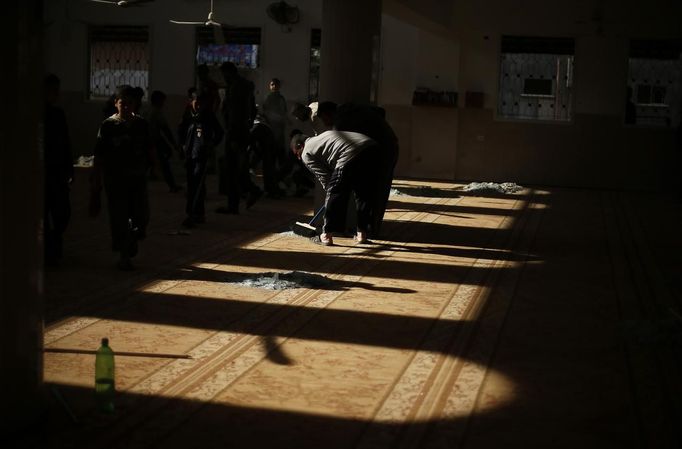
pixel 654 80
pixel 536 78
pixel 118 55
pixel 314 70
pixel 651 95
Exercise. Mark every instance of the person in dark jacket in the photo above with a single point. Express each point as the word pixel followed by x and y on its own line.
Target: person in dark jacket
pixel 264 148
pixel 371 121
pixel 238 112
pixel 275 111
pixel 58 172
pixel 201 132
pixel 162 137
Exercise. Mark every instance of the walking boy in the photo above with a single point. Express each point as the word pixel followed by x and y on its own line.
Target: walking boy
pixel 123 156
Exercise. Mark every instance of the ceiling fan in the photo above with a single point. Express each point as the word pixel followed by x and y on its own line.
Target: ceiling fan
pixel 284 14
pixel 123 3
pixel 209 21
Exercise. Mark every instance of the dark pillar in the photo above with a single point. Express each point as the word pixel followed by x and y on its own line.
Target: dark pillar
pixel 351 30
pixel 349 60
pixel 21 183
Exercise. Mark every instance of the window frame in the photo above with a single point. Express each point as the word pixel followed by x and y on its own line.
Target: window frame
pixel 498 117
pixel 655 50
pixel 148 29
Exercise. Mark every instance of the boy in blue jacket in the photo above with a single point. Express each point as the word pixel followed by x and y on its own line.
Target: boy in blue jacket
pixel 199 132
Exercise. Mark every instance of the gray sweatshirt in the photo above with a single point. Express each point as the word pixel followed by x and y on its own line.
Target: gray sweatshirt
pixel 332 150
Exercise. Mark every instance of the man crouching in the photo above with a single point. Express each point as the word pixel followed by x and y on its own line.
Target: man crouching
pixel 343 162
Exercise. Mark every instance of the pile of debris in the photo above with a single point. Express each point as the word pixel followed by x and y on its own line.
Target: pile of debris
pixel 280 281
pixel 84 161
pixel 492 187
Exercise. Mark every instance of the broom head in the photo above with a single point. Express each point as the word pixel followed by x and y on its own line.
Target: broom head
pixel 304 229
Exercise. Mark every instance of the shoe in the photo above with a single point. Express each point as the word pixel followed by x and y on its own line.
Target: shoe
pixel 361 237
pixel 188 223
pixel 318 240
pixel 227 210
pixel 253 197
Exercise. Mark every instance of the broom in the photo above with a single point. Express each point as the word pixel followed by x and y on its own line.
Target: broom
pixel 307 229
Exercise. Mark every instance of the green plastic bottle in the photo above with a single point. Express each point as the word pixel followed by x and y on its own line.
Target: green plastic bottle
pixel 105 385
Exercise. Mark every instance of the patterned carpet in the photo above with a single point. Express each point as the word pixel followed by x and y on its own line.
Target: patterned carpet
pixel 543 318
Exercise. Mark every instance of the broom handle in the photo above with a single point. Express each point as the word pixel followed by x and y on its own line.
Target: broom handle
pixel 319 212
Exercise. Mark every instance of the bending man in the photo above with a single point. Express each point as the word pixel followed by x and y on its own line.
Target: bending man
pixel 343 162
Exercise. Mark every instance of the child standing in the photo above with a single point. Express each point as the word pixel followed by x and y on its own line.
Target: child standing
pixel 199 132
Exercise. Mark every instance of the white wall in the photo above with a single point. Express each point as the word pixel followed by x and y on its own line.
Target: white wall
pixel 437 62
pixel 399 53
pixel 411 58
pixel 283 54
pixel 456 40
pixel 414 58
pixel 594 149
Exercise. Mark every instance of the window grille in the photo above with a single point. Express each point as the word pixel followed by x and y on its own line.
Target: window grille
pixel 655 82
pixel 536 78
pixel 118 55
pixel 314 69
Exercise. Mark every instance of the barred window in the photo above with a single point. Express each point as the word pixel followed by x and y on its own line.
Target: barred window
pixel 654 83
pixel 536 78
pixel 118 55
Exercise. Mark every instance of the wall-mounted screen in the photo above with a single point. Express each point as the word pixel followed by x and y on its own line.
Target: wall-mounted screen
pixel 241 55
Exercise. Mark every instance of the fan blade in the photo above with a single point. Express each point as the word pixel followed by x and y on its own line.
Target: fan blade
pixel 123 3
pixel 186 23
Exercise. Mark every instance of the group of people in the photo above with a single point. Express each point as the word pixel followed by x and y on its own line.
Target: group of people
pixel 350 149
pixel 130 143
